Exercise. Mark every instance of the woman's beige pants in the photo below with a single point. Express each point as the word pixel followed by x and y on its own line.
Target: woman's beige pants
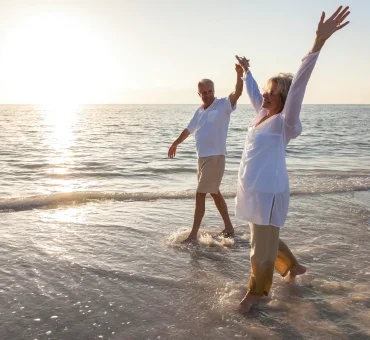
pixel 267 252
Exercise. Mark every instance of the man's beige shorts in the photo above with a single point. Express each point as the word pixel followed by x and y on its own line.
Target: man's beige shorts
pixel 210 172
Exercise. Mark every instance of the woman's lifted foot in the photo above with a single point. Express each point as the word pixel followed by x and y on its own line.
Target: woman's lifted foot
pixel 297 269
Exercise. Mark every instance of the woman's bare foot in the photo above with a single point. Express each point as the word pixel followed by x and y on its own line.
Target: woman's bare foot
pixel 298 269
pixel 247 302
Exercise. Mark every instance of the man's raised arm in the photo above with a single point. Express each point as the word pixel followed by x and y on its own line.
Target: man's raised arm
pixel 238 86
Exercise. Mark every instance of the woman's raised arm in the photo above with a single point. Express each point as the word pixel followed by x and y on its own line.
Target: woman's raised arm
pixel 324 31
pixel 253 91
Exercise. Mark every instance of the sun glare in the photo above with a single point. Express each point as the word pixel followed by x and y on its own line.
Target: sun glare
pixel 61 118
pixel 58 59
pixel 58 125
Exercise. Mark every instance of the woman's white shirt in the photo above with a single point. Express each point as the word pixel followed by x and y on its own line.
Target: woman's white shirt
pixel 263 186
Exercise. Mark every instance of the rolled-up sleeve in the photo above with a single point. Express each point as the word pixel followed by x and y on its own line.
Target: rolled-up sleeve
pixel 226 105
pixel 192 126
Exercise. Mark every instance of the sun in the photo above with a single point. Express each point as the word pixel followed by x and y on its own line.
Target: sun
pixel 58 58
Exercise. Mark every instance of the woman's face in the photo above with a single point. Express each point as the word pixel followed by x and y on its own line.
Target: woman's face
pixel 272 99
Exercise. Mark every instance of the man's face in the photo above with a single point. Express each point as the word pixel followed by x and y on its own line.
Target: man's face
pixel 207 93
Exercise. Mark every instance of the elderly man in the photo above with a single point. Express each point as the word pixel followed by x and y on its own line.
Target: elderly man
pixel 210 126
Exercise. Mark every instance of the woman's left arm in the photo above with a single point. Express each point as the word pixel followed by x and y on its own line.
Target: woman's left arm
pixel 297 90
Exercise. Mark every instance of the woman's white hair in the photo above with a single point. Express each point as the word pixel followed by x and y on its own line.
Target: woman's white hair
pixel 283 82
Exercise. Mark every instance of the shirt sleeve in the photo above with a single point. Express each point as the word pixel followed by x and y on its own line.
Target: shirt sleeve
pixel 226 105
pixel 297 90
pixel 192 126
pixel 253 91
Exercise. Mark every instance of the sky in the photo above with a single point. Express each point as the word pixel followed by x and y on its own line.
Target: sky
pixel 154 52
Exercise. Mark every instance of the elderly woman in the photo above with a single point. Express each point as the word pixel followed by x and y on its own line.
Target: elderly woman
pixel 263 185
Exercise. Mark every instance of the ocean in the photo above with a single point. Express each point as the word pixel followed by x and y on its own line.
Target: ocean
pixel 92 213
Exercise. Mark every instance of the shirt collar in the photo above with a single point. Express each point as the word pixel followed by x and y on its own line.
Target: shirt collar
pixel 201 109
pixel 258 117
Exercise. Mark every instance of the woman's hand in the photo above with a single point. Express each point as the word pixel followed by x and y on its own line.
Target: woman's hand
pixel 325 29
pixel 333 24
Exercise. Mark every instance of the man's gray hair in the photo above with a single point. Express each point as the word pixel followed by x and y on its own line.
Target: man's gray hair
pixel 206 81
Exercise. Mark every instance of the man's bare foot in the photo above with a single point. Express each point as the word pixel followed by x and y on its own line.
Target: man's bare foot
pixel 227 232
pixel 190 239
pixel 298 269
pixel 247 302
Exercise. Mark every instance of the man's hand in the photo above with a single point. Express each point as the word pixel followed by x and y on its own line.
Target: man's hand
pixel 172 151
pixel 182 137
pixel 243 62
pixel 239 70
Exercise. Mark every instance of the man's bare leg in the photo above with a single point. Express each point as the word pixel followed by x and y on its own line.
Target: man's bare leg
pixel 200 208
pixel 222 208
